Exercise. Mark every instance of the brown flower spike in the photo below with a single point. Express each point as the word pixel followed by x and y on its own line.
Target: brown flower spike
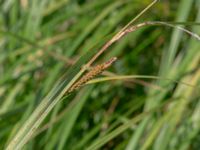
pixel 91 74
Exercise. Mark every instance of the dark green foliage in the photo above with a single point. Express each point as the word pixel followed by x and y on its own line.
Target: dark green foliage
pixel 45 43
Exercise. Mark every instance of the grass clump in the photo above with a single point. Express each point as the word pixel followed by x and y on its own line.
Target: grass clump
pixel 48 51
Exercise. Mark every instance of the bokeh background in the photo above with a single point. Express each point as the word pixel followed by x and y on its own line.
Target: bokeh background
pixel 40 40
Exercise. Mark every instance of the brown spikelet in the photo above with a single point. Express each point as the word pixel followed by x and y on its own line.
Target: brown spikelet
pixel 91 74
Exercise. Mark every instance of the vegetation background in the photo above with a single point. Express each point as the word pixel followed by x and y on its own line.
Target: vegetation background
pixel 40 40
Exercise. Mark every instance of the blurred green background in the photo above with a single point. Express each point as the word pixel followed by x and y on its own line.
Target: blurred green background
pixel 40 40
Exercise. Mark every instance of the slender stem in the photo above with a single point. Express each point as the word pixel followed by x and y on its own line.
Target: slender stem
pixel 119 34
pixel 124 77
